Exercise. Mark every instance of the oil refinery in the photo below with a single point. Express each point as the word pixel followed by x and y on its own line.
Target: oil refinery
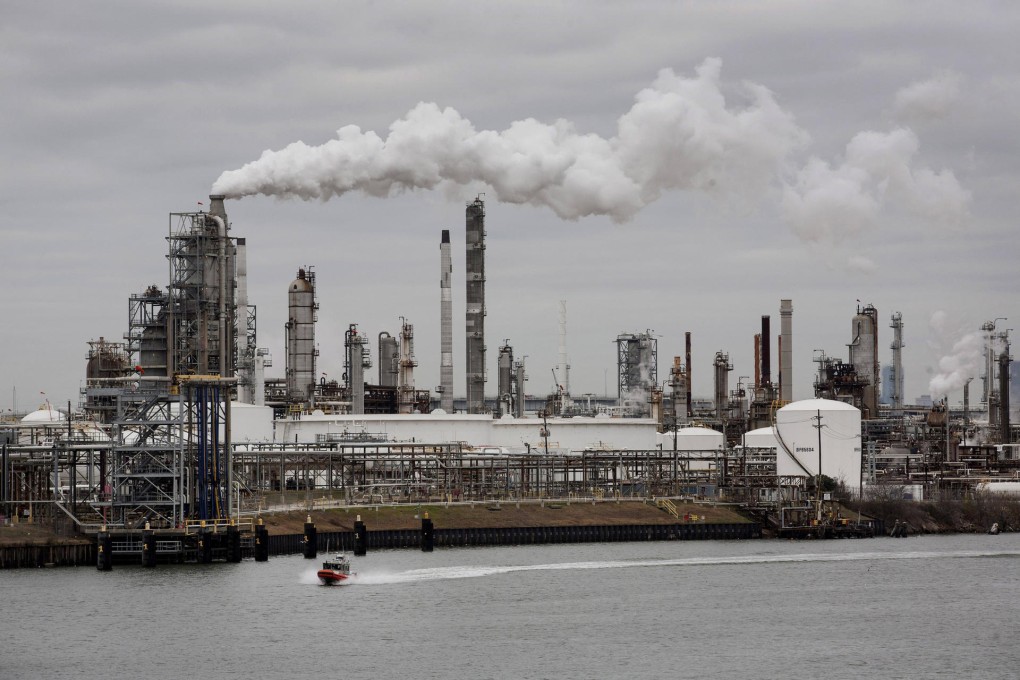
pixel 179 422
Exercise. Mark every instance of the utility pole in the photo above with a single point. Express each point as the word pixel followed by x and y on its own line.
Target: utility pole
pixel 818 477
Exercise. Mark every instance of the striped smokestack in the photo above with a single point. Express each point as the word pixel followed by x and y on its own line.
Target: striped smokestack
pixel 786 350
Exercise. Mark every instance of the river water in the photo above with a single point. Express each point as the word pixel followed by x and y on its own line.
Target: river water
pixel 924 607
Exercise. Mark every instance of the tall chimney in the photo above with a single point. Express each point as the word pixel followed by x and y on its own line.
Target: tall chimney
pixel 766 349
pixel 446 323
pixel 757 360
pixel 786 350
pixel 474 322
pixel 687 358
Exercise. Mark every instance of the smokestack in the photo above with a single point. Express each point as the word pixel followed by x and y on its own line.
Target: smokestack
pixel 687 359
pixel 786 350
pixel 766 349
pixel 474 322
pixel 563 376
pixel 446 323
pixel 757 360
pixel 216 206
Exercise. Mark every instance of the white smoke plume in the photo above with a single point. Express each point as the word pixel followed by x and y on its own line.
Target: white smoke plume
pixel 929 99
pixel 962 363
pixel 680 134
pixel 829 203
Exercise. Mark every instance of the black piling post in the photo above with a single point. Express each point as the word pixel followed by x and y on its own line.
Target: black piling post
pixel 233 543
pixel 311 540
pixel 148 547
pixel 204 545
pixel 428 537
pixel 360 538
pixel 104 550
pixel 261 542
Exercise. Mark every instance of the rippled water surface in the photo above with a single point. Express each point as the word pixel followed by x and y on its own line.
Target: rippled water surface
pixel 925 607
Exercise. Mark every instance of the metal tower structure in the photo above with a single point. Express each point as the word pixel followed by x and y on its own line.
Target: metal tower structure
pixel 201 307
pixel 405 380
pixel 637 370
pixel 474 323
pixel 171 454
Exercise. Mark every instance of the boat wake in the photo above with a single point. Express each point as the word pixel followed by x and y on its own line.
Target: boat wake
pixel 458 572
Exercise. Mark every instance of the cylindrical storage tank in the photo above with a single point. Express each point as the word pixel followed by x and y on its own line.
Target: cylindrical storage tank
pixel 700 446
pixel 301 337
pixel 797 432
pixel 762 438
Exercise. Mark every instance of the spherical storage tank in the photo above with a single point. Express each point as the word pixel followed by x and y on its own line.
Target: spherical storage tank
pixel 798 435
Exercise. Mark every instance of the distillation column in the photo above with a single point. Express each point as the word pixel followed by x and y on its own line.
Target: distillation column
pixel 300 329
pixel 897 361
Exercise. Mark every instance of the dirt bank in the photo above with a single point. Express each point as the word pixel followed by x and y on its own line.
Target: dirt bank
pixel 493 516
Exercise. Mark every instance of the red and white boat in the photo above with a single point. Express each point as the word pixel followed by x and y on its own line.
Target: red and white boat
pixel 335 571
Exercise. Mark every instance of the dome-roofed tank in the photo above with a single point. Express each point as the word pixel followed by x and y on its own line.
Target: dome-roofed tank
pixel 44 414
pixel 797 429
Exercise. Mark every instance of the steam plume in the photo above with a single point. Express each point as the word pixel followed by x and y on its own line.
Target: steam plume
pixel 960 364
pixel 679 135
pixel 828 203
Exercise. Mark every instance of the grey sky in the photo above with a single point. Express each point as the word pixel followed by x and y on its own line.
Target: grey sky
pixel 116 114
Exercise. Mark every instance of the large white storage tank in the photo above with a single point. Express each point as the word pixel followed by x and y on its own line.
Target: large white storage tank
pixel 701 446
pixel 798 435
pixel 762 438
pixel 693 439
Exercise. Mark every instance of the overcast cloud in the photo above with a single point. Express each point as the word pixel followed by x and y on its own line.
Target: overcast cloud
pixel 660 166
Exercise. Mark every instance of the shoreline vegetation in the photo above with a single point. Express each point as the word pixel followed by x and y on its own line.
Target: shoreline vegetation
pixel 976 515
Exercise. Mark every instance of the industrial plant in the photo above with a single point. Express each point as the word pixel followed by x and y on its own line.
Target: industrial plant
pixel 179 424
